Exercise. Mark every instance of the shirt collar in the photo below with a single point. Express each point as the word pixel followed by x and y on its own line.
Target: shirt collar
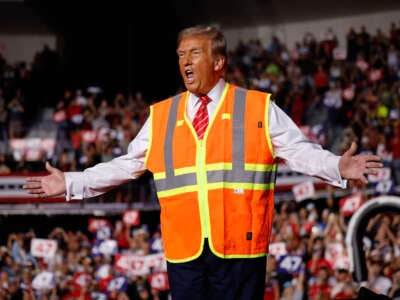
pixel 214 94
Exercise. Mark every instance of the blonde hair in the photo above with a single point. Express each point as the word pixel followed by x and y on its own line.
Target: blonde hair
pixel 218 41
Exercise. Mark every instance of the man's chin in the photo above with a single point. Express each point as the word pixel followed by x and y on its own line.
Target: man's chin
pixel 191 87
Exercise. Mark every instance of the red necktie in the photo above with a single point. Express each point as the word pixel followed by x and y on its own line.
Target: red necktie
pixel 200 120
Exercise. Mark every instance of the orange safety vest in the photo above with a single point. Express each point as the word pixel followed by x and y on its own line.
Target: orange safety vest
pixel 221 187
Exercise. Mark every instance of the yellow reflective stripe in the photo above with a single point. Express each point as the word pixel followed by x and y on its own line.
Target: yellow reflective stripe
pixel 217 185
pixel 226 116
pixel 160 175
pixel 189 258
pixel 245 186
pixel 233 255
pixel 185 170
pixel 178 191
pixel 247 167
pixel 271 149
pixel 260 167
pixel 203 195
pixel 150 135
pixel 180 171
pixel 219 166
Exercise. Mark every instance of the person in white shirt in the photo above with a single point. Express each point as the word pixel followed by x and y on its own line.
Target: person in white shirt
pixel 202 55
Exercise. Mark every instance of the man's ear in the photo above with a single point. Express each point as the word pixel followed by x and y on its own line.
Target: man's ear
pixel 219 63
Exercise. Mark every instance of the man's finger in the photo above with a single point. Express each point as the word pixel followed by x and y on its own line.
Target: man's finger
pixel 33 179
pixel 49 167
pixel 364 179
pixel 351 150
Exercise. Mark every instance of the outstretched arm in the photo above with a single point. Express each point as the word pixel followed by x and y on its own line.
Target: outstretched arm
pixel 46 186
pixel 356 167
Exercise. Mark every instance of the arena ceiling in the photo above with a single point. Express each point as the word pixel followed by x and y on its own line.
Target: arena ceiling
pixel 41 16
pixel 236 13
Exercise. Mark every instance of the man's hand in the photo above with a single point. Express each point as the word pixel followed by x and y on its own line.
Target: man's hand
pixel 358 166
pixel 46 186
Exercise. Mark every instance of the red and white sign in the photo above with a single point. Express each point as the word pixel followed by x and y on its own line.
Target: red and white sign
pixel 383 174
pixel 43 248
pixel 59 116
pixel 339 53
pixel 277 249
pixel 342 262
pixel 333 252
pixel 159 281
pixel 350 204
pixel 131 217
pixel 96 224
pixel 43 281
pixel 348 93
pixel 108 247
pixel 82 279
pixel 375 75
pixel 362 64
pixel 304 190
pixel 157 262
pixel 32 149
pixel 89 136
pixel 131 263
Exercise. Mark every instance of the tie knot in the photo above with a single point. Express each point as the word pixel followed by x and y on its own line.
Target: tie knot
pixel 205 99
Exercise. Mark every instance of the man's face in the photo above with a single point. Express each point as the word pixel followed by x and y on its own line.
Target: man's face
pixel 199 68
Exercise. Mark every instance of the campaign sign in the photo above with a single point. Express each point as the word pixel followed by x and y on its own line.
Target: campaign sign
pixel 159 281
pixel 156 245
pixel 104 233
pixel 304 190
pixel 350 204
pixel 119 284
pixel 82 279
pixel 96 223
pixel 43 281
pixel 277 249
pixel 157 262
pixel 289 264
pixel 107 247
pixel 102 271
pixel 43 248
pixel 135 264
pixel 385 187
pixel 131 217
pixel 339 53
pixel 383 174
pixel 333 252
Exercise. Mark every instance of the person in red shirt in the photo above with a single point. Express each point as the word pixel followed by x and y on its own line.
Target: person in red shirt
pixel 321 285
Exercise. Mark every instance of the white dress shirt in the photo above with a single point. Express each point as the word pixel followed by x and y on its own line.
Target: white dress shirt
pixel 289 143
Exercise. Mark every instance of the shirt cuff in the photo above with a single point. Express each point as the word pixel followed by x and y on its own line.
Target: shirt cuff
pixel 74 185
pixel 332 163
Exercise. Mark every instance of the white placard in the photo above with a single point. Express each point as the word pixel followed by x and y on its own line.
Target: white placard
pixel 304 190
pixel 43 247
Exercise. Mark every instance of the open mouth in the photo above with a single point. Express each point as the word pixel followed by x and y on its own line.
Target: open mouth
pixel 189 76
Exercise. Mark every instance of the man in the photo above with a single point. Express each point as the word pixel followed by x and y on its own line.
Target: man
pixel 214 177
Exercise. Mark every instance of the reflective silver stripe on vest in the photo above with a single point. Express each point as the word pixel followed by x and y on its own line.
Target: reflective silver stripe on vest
pixel 171 181
pixel 237 174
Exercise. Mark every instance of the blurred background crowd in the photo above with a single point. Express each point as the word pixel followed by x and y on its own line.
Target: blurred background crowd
pixel 339 94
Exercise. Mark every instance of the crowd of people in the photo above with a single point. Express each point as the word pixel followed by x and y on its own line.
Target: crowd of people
pixel 341 93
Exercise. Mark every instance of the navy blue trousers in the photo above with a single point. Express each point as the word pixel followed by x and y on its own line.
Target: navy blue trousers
pixel 212 278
